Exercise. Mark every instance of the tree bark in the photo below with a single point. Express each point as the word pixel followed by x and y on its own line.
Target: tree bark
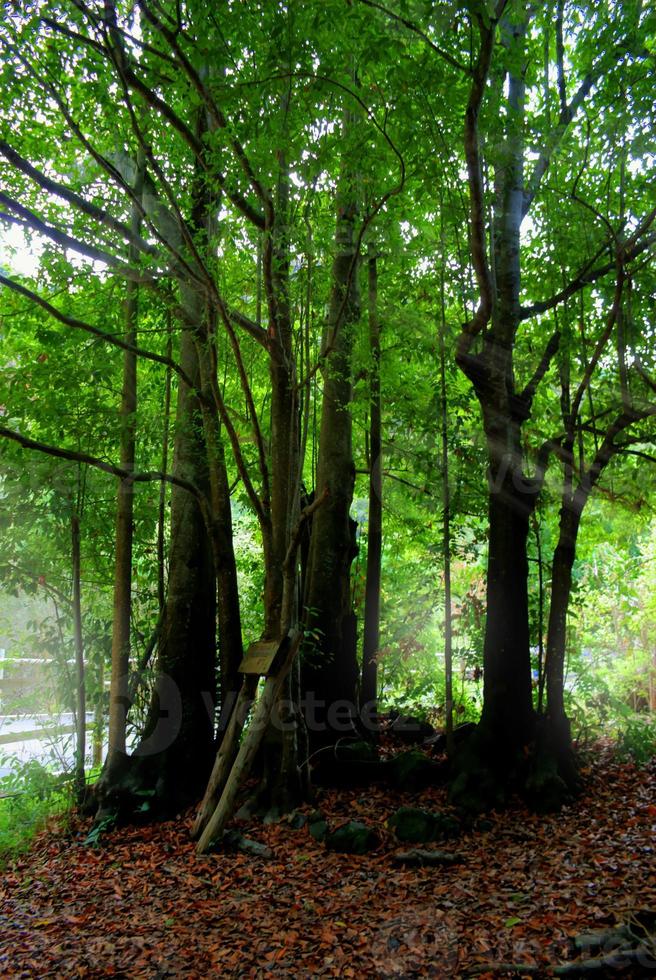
pixel 122 604
pixel 561 589
pixel 80 679
pixel 371 640
pixel 330 674
pixel 179 738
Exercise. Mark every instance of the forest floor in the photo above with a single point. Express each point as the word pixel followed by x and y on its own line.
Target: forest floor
pixel 143 905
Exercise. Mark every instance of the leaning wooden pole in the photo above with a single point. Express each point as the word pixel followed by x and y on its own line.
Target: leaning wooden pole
pixel 227 754
pixel 284 659
pixel 249 747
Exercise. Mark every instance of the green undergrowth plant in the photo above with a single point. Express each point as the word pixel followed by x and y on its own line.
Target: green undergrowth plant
pixel 30 794
pixel 637 740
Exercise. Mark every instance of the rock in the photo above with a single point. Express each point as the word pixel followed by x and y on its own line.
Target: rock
pixel 603 941
pixel 356 763
pixel 460 734
pixel 359 751
pixel 417 826
pixel 349 764
pixel 318 825
pixel 411 729
pixel 352 838
pixel 234 841
pixel 416 856
pixel 296 820
pixel 411 771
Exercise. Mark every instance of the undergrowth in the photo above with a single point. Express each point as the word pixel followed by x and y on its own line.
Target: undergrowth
pixel 29 796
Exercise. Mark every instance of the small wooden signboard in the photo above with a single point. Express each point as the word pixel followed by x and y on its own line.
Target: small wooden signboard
pixel 259 658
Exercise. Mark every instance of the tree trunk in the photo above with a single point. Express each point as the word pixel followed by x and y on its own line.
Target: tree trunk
pixel 330 675
pixel 80 684
pixel 174 756
pixel 508 717
pixel 561 588
pixel 371 641
pixel 446 518
pixel 121 619
pixel 281 787
pixel 164 465
pixel 179 737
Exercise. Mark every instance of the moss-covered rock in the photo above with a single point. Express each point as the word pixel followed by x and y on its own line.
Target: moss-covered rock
pixel 411 729
pixel 352 838
pixel 411 771
pixel 350 764
pixel 415 826
pixel 318 825
pixel 419 857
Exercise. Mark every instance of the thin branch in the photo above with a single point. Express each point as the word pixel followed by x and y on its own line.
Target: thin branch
pixel 250 326
pixel 554 140
pixel 222 123
pixel 70 321
pixel 304 517
pixel 550 351
pixel 100 464
pixel 61 238
pixel 415 29
pixel 61 190
pixel 601 343
pixel 622 448
pixel 639 369
pixel 588 275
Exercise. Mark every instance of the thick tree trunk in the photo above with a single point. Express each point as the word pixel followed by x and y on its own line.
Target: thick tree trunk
pixel 174 756
pixel 281 787
pixel 330 675
pixel 178 742
pixel 508 717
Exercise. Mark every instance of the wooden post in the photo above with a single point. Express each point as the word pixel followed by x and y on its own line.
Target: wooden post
pixel 248 750
pixel 226 755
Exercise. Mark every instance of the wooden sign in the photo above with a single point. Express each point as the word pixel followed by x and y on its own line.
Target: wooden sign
pixel 259 658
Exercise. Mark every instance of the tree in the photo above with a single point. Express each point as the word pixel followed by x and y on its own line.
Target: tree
pixel 488 353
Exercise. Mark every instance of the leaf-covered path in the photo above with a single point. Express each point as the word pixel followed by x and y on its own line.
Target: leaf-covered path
pixel 144 906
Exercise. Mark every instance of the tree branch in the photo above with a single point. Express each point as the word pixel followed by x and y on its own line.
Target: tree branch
pixel 70 321
pixel 61 238
pixel 588 275
pixel 554 140
pixel 411 26
pixel 550 351
pixel 61 190
pixel 101 464
pixel 476 198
